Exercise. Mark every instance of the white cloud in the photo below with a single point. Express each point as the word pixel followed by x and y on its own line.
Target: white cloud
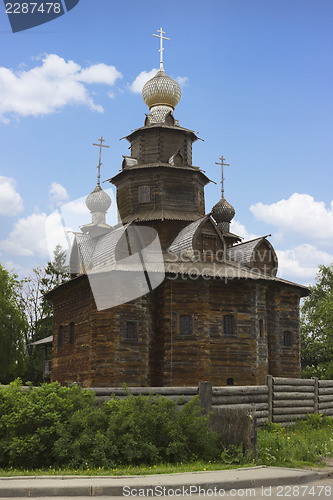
pixel 47 88
pixel 100 73
pixel 36 235
pixel 301 262
pixel 300 215
pixel 58 193
pixel 11 202
pixel 141 79
pixel 239 229
pixel 182 80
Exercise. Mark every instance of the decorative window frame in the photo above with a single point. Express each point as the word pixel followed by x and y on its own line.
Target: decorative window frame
pixel 144 194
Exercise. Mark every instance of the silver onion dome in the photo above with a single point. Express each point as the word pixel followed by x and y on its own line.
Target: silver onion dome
pixel 98 200
pixel 223 211
pixel 161 90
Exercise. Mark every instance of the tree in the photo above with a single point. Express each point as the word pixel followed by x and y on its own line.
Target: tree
pixel 38 310
pixel 13 326
pixel 317 327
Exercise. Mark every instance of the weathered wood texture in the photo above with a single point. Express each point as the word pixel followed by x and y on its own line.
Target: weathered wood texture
pixel 325 397
pixel 162 355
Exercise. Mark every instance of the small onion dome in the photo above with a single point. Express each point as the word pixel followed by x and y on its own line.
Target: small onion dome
pixel 161 90
pixel 98 200
pixel 223 211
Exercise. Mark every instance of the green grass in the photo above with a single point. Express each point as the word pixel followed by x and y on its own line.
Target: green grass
pixel 303 444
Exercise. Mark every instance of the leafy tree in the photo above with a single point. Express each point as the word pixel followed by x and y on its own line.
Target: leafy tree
pixel 13 326
pixel 317 327
pixel 38 310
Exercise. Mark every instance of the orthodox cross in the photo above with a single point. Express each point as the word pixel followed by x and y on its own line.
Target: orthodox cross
pixel 222 177
pixel 161 37
pixel 100 145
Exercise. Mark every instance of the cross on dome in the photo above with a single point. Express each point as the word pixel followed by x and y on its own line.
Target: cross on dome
pixel 222 164
pixel 100 145
pixel 161 37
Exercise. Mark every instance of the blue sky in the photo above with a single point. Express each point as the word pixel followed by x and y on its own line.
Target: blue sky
pixel 256 78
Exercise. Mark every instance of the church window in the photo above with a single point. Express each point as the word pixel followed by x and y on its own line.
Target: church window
pixel 186 324
pixel 287 339
pixel 229 324
pixel 144 194
pixel 230 381
pixel 132 330
pixel 60 335
pixel 71 333
pixel 261 328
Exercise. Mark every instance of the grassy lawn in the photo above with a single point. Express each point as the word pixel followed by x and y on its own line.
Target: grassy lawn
pixel 303 444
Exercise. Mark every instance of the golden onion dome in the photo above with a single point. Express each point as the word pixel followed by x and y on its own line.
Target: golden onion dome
pixel 161 90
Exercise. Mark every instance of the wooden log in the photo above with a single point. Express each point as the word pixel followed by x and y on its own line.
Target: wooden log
pixel 227 400
pixel 325 391
pixel 328 404
pixel 261 422
pixel 288 418
pixel 328 397
pixel 293 395
pixel 327 411
pixel 292 411
pixel 325 383
pixel 238 390
pixel 292 381
pixel 290 403
pixel 292 388
pixel 120 391
pixel 259 407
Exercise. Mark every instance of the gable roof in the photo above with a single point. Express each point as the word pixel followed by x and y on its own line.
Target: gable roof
pixel 244 252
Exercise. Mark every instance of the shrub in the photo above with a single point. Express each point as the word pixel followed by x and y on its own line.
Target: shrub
pixel 62 427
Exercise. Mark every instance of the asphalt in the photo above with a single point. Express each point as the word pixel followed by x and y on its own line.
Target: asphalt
pixel 181 485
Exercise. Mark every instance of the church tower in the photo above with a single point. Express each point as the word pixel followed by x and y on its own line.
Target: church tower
pixel 158 184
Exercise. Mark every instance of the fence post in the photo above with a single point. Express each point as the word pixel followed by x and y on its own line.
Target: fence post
pixel 205 395
pixel 316 395
pixel 269 383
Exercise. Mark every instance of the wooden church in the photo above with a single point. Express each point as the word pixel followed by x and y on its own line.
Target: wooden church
pixel 169 296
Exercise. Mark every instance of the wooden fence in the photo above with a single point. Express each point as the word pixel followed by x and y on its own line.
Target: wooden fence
pixel 281 400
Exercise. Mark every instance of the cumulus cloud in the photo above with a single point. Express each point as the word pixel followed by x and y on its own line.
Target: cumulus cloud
pixel 47 88
pixel 301 262
pixel 57 193
pixel 182 80
pixel 141 79
pixel 11 202
pixel 239 229
pixel 300 214
pixel 36 236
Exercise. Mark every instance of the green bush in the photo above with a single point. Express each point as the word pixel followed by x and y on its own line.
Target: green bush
pixel 57 426
pixel 29 421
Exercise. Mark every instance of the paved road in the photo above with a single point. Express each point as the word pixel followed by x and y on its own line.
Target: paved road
pixel 318 490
